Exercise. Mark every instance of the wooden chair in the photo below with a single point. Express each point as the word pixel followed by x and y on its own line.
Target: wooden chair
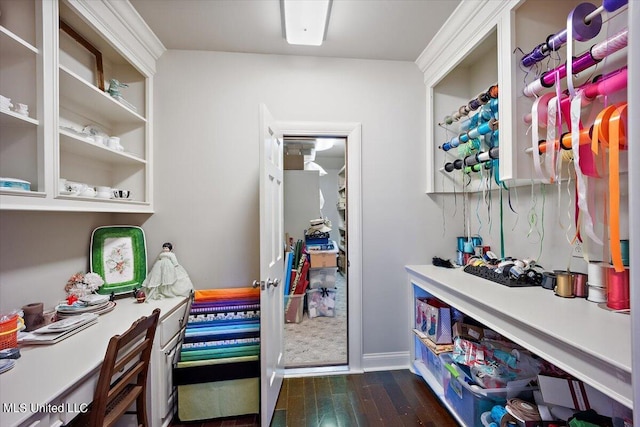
pixel 127 359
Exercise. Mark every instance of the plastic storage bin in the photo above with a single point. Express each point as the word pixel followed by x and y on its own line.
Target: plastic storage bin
pixel 293 308
pixel 322 278
pixel 469 402
pixel 433 363
pixel 321 302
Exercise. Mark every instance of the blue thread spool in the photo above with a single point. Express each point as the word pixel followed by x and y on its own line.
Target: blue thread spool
pixel 497 412
pixel 468 247
pixel 461 242
pixel 476 240
pixel 460 258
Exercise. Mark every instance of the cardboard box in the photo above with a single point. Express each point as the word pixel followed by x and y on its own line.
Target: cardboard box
pixel 321 259
pixel 468 332
pixel 575 394
pixel 293 162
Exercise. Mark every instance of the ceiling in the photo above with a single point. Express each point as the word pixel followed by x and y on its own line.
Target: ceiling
pixel 365 29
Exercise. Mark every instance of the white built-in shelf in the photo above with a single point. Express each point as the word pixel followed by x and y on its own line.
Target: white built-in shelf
pixel 19 193
pixel 86 148
pixel 11 118
pixel 15 45
pixel 578 336
pixel 77 94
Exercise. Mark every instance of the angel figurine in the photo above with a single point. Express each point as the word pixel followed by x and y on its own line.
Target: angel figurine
pixel 167 278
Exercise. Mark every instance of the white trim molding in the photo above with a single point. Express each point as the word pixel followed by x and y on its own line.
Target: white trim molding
pixel 386 361
pixel 353 133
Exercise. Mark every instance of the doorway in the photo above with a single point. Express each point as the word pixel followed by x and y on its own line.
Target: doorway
pixel 314 182
pixel 351 132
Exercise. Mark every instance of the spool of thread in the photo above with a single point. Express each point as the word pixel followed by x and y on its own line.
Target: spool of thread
pixel 468 248
pixel 476 240
pixel 460 257
pixel 596 271
pixel 466 257
pixel 564 284
pixel 596 294
pixel 523 410
pixel 461 241
pixel 580 285
pixel 618 297
pixel 33 316
pixel 548 280
pixel 624 249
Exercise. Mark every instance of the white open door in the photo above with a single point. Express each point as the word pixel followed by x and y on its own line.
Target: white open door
pixel 271 265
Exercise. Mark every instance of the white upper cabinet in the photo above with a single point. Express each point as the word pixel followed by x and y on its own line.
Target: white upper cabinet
pixel 84 137
pixel 482 44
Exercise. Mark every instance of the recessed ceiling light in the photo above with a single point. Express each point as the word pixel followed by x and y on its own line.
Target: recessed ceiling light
pixel 305 21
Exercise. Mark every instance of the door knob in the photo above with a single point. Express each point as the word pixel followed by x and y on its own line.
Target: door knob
pixel 257 283
pixel 273 283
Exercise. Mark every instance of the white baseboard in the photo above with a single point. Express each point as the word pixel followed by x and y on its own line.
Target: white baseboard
pixel 385 361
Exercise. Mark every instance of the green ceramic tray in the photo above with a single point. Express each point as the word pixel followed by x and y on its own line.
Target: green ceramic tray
pixel 119 256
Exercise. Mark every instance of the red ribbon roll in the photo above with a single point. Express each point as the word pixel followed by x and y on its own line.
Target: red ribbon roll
pixel 618 289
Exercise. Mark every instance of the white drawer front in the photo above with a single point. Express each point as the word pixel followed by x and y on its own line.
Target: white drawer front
pixel 172 324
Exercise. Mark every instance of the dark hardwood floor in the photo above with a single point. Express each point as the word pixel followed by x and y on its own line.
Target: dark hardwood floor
pixel 384 399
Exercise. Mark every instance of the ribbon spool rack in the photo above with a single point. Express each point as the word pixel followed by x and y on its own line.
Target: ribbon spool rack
pixel 584 118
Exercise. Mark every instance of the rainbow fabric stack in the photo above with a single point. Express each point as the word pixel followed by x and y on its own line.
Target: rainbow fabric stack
pixel 218 374
pixel 223 323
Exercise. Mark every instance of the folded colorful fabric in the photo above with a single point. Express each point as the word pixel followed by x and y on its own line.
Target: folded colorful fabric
pixel 213 295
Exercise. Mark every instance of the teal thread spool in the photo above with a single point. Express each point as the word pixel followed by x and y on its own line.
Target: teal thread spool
pixel 624 249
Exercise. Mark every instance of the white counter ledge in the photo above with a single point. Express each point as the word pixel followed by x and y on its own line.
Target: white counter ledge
pixel 576 335
pixel 66 372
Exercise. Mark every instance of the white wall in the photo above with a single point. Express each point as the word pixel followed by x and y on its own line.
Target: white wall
pixel 206 163
pixel 301 201
pixel 39 251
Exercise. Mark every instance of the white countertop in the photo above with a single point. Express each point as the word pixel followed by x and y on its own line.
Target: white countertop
pixel 44 373
pixel 590 342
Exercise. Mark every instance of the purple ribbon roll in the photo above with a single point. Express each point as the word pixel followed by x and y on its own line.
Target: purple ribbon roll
pixel 613 5
pixel 581 30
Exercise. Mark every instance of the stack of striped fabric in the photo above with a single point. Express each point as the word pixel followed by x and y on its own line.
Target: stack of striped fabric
pixel 218 374
pixel 223 323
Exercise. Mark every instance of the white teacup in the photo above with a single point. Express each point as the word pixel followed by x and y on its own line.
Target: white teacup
pixel 114 142
pixel 75 188
pixel 104 192
pixel 22 109
pixel 88 192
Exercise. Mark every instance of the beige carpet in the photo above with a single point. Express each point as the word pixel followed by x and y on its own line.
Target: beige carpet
pixel 319 341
